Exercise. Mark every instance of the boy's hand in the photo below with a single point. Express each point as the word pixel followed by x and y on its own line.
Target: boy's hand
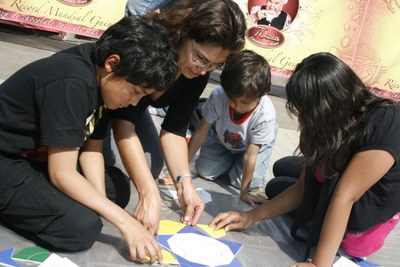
pixel 141 243
pixel 251 199
pixel 148 211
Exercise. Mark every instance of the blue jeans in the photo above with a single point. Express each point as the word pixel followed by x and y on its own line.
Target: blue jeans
pixel 215 160
pixel 142 7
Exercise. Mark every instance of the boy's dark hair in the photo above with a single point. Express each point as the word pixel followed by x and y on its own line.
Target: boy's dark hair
pixel 218 22
pixel 145 51
pixel 246 74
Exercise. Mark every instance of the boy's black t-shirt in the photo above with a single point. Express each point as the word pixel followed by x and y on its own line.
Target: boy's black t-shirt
pixel 49 102
pixel 181 99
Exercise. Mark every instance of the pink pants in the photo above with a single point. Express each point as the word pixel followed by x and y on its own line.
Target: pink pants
pixel 367 242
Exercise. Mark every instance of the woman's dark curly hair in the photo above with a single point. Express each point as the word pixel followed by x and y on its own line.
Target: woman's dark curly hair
pixel 333 107
pixel 218 22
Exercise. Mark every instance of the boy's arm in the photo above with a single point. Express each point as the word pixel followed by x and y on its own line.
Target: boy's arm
pixel 148 209
pixel 65 177
pixel 249 163
pixel 198 138
pixel 91 162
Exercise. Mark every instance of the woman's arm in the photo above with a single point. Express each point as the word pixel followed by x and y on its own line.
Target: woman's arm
pixel 198 138
pixel 175 151
pixel 364 170
pixel 148 209
pixel 65 177
pixel 91 162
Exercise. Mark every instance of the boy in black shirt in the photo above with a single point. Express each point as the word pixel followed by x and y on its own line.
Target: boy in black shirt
pixel 49 116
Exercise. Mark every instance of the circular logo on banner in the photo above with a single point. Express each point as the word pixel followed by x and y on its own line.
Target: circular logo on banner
pixel 265 36
pixel 75 2
pixel 268 19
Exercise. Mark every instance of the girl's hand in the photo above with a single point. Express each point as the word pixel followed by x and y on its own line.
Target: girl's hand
pixel 232 220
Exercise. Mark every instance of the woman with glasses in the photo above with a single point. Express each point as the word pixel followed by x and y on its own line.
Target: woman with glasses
pixel 205 33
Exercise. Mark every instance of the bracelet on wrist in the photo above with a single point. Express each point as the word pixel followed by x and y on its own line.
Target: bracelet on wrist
pixel 178 179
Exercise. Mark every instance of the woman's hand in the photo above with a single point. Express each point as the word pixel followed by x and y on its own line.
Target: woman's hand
pixel 191 203
pixel 232 220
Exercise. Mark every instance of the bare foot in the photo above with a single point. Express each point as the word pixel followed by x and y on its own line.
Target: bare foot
pixel 166 180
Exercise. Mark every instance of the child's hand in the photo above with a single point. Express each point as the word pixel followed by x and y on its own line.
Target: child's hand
pixel 141 244
pixel 251 199
pixel 148 211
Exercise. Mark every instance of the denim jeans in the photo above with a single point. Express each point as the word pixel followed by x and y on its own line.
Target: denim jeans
pixel 215 160
pixel 142 7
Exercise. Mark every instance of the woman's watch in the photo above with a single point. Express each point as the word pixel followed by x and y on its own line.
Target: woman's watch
pixel 178 179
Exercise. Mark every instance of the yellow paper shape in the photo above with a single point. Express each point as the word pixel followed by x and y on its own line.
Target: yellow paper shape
pixel 169 227
pixel 210 231
pixel 168 258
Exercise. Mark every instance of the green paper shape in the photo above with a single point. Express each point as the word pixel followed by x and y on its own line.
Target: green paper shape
pixel 32 254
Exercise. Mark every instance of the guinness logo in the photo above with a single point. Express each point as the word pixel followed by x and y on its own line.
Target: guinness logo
pixel 75 2
pixel 265 36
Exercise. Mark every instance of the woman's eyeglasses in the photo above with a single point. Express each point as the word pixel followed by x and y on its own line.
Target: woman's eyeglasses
pixel 203 63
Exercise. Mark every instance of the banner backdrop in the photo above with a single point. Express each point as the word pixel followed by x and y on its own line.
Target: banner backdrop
pixel 363 33
pixel 83 17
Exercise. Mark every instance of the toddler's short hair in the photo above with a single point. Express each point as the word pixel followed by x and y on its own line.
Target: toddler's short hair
pixel 246 74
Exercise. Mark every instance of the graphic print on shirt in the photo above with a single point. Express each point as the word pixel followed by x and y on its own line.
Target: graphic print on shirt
pixel 234 139
pixel 93 120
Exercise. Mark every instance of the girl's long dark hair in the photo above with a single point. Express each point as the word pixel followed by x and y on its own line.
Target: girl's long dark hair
pixel 333 107
pixel 219 22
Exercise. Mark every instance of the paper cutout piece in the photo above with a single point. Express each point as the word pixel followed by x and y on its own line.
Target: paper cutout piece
pixel 55 260
pixel 344 262
pixel 32 254
pixel 169 227
pixel 168 257
pixel 364 263
pixel 195 248
pixel 6 258
pixel 202 193
pixel 210 231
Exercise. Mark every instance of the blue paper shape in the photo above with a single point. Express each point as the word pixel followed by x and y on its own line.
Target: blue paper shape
pixel 6 258
pixel 365 263
pixel 233 246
